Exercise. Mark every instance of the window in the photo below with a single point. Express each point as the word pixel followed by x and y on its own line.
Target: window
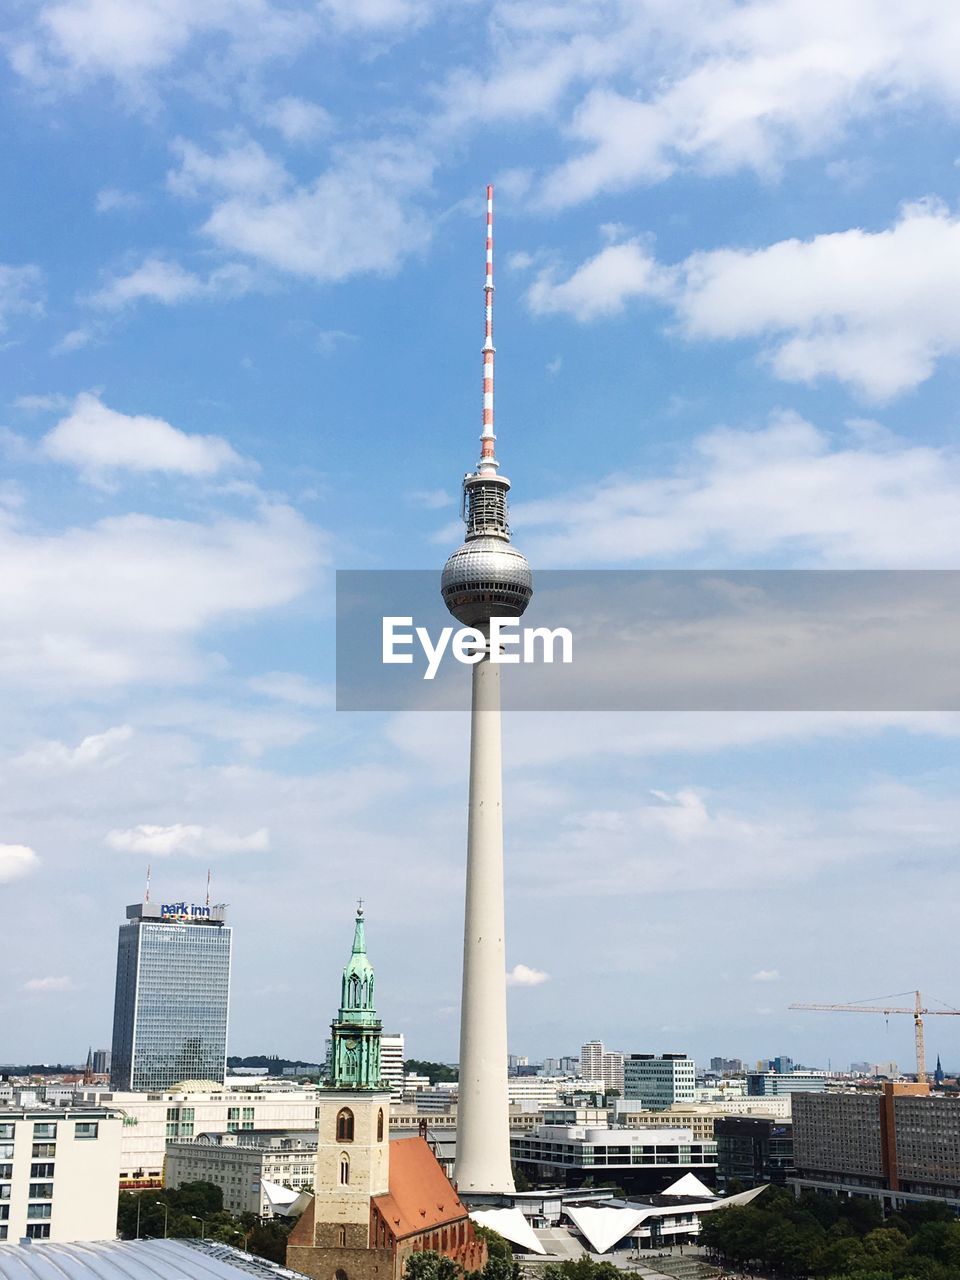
pixel 41 1190
pixel 41 1170
pixel 344 1125
pixel 6 1130
pixel 233 1113
pixel 6 1170
pixel 42 1129
pixel 3 1231
pixel 86 1129
pixel 4 1190
pixel 4 1212
pixel 38 1230
pixel 341 1236
pixel 39 1210
pixel 44 1150
pixel 380 1125
pixel 339 1275
pixel 344 1170
pixel 6 1150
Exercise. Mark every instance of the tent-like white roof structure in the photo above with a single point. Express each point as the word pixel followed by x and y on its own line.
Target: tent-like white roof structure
pixel 690 1185
pixel 512 1225
pixel 280 1198
pixel 134 1260
pixel 603 1228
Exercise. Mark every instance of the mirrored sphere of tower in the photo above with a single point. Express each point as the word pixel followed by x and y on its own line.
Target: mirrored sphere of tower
pixel 486 578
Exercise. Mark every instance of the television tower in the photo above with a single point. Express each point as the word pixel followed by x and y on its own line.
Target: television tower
pixel 485 578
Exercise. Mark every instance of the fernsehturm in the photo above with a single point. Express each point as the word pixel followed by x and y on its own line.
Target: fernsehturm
pixel 485 578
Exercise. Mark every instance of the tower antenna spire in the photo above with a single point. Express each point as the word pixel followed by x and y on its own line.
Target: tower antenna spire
pixel 208 886
pixel 488 462
pixel 146 896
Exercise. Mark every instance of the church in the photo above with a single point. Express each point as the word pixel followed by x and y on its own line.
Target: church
pixel 375 1201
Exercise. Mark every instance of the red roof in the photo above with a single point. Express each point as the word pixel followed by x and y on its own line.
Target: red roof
pixel 421 1196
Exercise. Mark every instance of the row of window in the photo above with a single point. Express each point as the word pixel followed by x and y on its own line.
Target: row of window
pixel 47 1132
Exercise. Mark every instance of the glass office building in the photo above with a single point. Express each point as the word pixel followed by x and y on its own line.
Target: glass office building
pixel 172 996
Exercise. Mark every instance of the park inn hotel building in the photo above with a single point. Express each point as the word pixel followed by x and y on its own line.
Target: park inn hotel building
pixel 172 996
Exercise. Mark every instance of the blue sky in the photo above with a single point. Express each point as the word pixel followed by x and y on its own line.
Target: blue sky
pixel 240 315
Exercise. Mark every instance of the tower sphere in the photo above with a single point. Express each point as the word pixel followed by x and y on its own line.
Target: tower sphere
pixel 486 578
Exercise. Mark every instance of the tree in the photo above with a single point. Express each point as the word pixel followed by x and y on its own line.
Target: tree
pixel 428 1265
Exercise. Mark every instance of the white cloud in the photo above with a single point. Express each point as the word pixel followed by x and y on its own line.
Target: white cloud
pixel 431 499
pixel 111 199
pixel 357 216
pixel 93 748
pixel 186 838
pixel 41 403
pixel 872 309
pixel 288 686
pixel 71 41
pixel 75 340
pixel 99 440
pixel 522 975
pixel 167 282
pixel 875 310
pixel 766 975
pixel 16 860
pixel 125 600
pixel 742 85
pixel 297 119
pixel 369 16
pixel 601 285
pixel 241 167
pixel 49 984
pixel 20 293
pixel 789 490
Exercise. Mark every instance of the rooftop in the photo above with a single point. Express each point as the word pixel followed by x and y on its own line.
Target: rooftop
pixel 135 1260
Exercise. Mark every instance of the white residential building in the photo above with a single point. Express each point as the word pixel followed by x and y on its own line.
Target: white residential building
pixel 192 1108
pixel 599 1063
pixel 247 1166
pixel 58 1173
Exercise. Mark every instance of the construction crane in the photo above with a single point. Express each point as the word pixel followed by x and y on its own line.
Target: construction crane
pixel 918 1012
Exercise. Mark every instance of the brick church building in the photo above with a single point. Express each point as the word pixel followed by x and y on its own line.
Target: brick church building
pixel 375 1202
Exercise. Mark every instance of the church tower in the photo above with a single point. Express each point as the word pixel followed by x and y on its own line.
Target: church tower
pixel 353 1137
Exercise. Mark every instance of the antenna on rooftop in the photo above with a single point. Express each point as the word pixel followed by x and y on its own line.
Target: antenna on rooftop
pixel 208 886
pixel 146 896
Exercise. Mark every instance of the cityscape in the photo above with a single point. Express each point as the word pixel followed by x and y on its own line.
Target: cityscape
pixel 478 527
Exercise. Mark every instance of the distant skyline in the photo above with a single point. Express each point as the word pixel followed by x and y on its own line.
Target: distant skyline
pixel 240 329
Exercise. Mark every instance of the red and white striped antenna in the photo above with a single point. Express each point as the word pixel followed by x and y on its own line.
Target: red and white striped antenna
pixel 488 462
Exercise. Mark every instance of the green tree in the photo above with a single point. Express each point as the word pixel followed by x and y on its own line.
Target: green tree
pixel 428 1265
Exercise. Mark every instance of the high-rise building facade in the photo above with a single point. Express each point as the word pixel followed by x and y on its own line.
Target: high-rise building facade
pixel 597 1062
pixel 898 1145
pixel 659 1081
pixel 391 1063
pixel 172 996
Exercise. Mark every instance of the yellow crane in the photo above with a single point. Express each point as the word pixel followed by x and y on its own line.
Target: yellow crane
pixel 918 1013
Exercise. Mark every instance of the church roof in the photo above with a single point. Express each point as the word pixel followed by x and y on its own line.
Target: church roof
pixel 421 1196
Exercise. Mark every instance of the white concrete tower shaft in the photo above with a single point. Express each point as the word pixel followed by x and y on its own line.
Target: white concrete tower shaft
pixel 483 1132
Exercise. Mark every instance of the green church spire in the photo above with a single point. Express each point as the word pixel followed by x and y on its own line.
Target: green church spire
pixel 356 1030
